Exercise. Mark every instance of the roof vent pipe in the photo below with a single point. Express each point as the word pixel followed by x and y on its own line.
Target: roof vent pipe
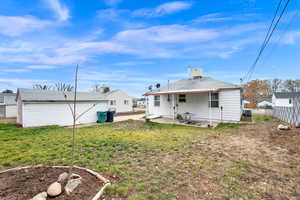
pixel 197 73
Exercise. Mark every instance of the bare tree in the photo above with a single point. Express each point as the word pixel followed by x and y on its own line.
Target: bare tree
pixel 297 82
pixel 42 87
pixel 275 85
pixel 289 85
pixel 64 87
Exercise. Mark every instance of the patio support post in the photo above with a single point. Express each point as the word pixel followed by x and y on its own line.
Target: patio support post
pixel 173 100
pixel 209 97
pixel 147 106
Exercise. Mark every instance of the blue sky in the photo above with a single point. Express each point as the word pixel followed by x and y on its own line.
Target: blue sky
pixel 130 44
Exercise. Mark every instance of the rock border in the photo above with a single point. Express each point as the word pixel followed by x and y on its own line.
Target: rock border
pixel 96 197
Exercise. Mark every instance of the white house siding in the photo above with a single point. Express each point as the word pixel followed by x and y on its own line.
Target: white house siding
pixel 231 102
pixel 119 97
pixel 10 111
pixel 198 105
pixel 44 114
pixel 2 110
pixel 281 102
pixel 19 111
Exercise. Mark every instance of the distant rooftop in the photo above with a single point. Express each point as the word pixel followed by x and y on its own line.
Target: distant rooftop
pixel 286 95
pixel 51 95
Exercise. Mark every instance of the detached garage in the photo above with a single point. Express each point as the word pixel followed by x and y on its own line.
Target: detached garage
pixel 46 107
pixel 8 108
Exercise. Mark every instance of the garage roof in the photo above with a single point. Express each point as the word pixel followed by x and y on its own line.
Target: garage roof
pixel 34 95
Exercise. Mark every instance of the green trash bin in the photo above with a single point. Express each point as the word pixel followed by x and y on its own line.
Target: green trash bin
pixel 102 117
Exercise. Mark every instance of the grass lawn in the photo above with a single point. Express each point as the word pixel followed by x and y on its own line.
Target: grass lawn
pixel 155 161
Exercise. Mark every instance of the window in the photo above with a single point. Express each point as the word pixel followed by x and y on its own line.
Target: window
pixel 290 101
pixel 182 98
pixel 113 103
pixel 157 100
pixel 214 103
pixel 126 102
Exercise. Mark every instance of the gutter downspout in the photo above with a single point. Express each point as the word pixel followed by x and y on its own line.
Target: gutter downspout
pixel 210 122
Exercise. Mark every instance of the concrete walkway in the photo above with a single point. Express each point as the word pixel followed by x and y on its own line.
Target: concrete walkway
pixel 127 117
pixel 116 119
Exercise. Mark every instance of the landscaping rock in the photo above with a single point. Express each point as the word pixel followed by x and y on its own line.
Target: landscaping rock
pixel 62 177
pixel 283 127
pixel 40 196
pixel 73 182
pixel 54 189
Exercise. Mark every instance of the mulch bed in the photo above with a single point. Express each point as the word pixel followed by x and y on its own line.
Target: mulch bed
pixel 26 183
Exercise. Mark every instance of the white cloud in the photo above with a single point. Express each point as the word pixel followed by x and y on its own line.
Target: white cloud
pixel 112 2
pixel 41 67
pixel 291 37
pixel 163 9
pixel 133 63
pixel 213 17
pixel 61 11
pixel 16 83
pixel 14 70
pixel 169 33
pixel 17 25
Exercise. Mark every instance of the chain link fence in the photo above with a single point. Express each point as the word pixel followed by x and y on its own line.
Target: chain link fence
pixel 289 114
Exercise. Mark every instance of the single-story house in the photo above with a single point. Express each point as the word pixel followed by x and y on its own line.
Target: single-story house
pixel 264 104
pixel 265 101
pixel 120 101
pixel 203 98
pixel 8 105
pixel 141 102
pixel 284 99
pixel 47 107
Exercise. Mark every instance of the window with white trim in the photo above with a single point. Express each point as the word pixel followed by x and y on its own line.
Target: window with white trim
pixel 214 101
pixel 182 98
pixel 126 102
pixel 156 100
pixel 113 103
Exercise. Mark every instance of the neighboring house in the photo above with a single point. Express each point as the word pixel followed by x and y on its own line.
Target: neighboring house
pixel 120 101
pixel 141 102
pixel 284 99
pixel 8 105
pixel 265 101
pixel 204 98
pixel 47 107
pixel 264 104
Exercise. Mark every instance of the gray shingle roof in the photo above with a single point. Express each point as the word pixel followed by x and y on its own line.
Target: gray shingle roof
pixel 286 95
pixel 10 98
pixel 203 83
pixel 50 95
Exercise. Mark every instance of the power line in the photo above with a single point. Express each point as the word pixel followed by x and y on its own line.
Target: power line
pixel 274 47
pixel 268 36
pixel 264 42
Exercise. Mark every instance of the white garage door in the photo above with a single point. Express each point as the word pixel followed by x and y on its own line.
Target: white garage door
pixel 59 113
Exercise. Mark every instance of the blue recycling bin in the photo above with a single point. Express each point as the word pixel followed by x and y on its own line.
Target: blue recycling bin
pixel 110 116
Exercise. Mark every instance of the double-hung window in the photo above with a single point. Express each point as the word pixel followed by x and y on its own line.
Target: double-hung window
pixel 156 100
pixel 214 100
pixel 182 98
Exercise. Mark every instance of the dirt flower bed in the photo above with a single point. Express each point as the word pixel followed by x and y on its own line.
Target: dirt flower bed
pixel 26 183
